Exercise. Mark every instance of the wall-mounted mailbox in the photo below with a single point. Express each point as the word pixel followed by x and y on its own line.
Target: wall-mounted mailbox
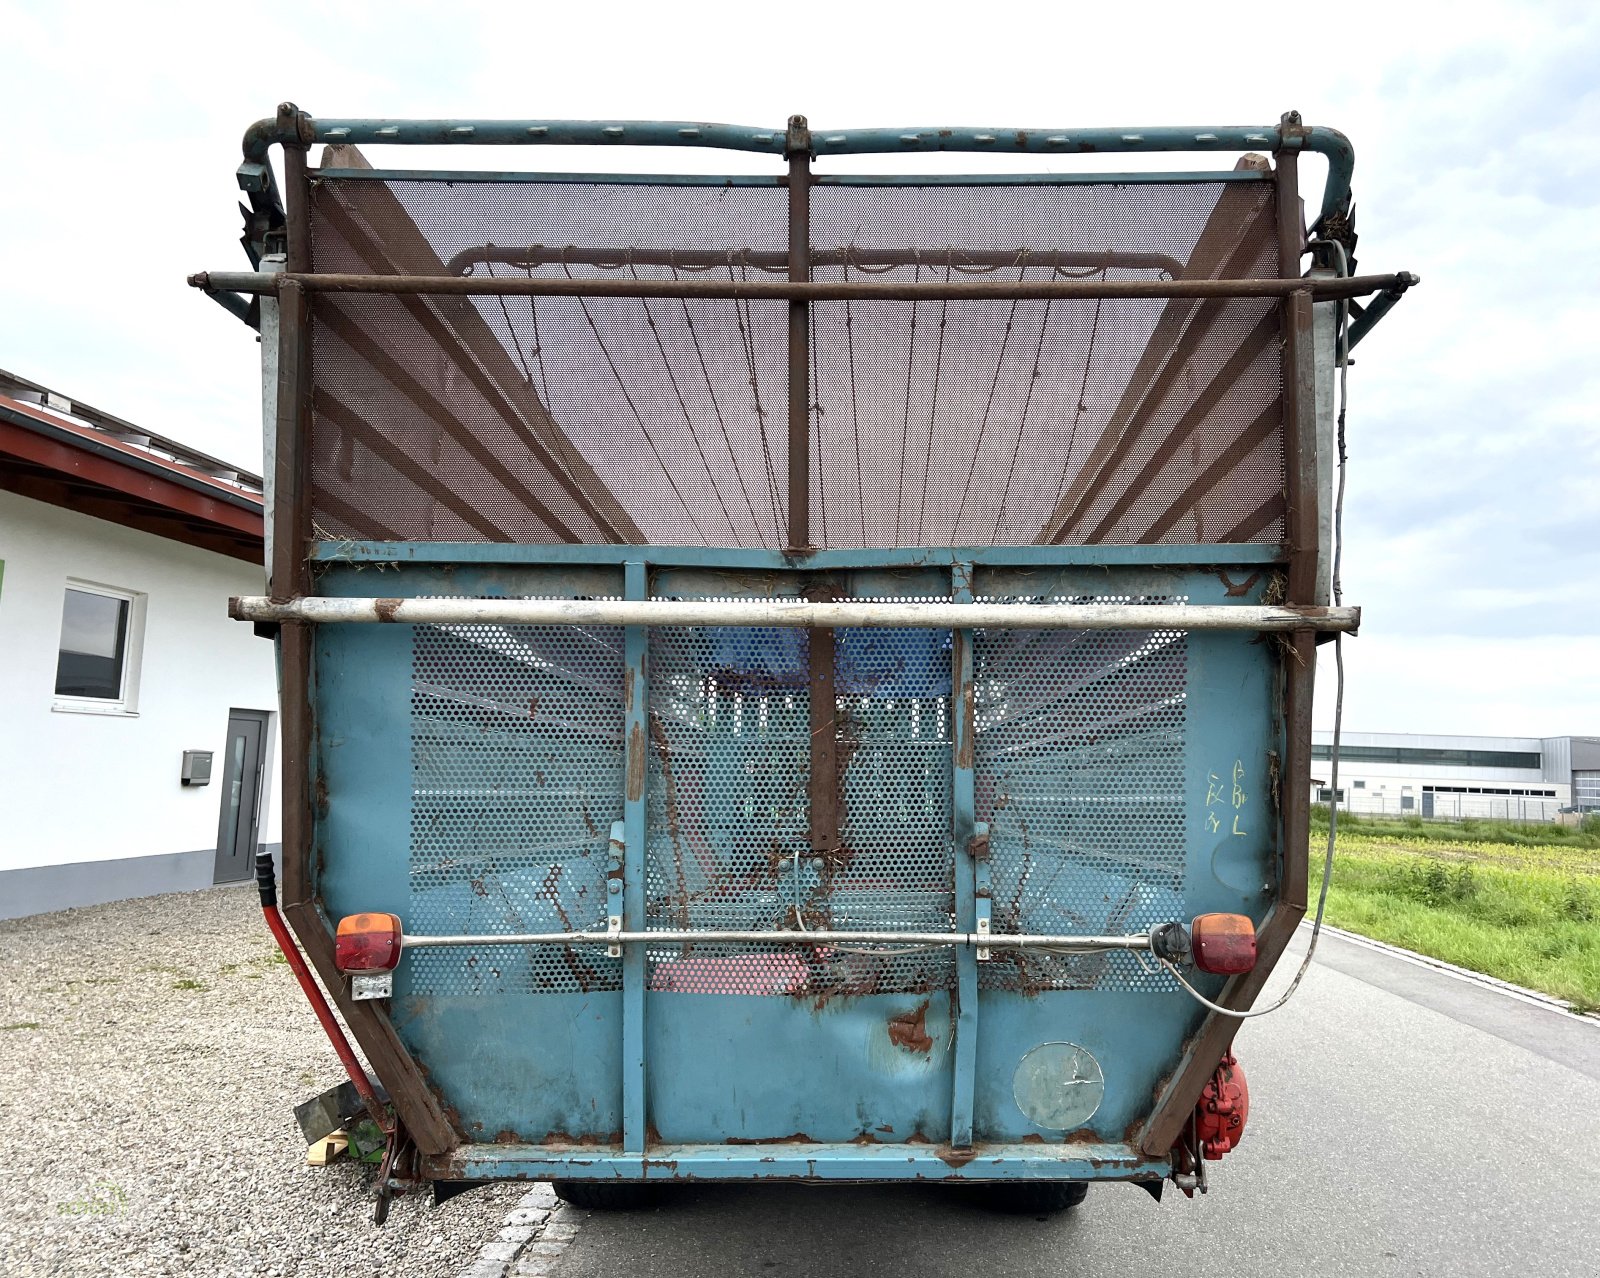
pixel 197 767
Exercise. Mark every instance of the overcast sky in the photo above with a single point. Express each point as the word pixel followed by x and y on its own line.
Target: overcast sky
pixel 1473 518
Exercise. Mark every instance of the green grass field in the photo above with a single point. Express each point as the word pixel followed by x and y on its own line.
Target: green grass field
pixel 1514 901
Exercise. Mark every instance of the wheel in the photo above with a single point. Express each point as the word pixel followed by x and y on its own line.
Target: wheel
pixel 603 1195
pixel 1034 1197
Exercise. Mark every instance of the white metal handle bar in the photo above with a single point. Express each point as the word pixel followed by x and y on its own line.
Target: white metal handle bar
pixel 796 612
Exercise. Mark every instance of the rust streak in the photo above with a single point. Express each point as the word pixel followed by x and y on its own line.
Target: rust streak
pixel 795 1138
pixel 386 608
pixel 909 1029
pixel 636 764
pixel 658 737
pixel 1240 588
pixel 964 730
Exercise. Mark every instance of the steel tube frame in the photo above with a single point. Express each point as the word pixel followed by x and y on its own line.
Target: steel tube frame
pixel 1077 943
pixel 809 614
pixel 776 263
pixel 793 290
pixel 635 828
pixel 292 125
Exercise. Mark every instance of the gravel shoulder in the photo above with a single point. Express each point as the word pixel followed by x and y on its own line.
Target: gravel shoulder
pixel 152 1052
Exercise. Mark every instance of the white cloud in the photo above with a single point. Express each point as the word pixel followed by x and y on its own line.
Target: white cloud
pixel 1473 421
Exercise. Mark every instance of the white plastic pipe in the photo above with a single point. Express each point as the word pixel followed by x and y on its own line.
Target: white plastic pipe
pixel 795 612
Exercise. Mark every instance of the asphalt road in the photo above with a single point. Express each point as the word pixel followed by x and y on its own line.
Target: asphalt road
pixel 1403 1121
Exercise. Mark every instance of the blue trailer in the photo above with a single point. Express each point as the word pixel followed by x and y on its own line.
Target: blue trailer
pixel 798 674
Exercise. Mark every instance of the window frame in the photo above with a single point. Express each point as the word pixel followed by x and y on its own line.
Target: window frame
pixel 126 703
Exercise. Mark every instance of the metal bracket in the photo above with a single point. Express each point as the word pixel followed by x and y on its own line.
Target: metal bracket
pixel 983 930
pixel 616 847
pixel 371 985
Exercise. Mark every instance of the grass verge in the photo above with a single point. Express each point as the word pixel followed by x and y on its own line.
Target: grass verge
pixel 1525 911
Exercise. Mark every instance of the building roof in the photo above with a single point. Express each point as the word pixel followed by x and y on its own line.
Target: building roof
pixel 71 455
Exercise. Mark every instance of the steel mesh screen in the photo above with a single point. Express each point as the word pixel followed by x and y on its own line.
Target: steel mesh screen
pixel 729 809
pixel 1080 750
pixel 665 421
pixel 517 776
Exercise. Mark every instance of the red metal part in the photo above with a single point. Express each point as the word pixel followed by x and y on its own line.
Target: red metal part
pixel 1223 1109
pixel 330 1026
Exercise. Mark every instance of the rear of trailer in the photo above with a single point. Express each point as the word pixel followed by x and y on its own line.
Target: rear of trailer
pixel 798 675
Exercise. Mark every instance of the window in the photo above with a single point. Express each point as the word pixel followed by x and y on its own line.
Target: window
pixel 1430 757
pixel 97 663
pixel 1326 795
pixel 1360 785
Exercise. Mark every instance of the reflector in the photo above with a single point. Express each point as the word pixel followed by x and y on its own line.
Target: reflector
pixel 1223 943
pixel 367 943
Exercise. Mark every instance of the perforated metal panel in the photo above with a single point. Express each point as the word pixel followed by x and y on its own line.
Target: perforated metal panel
pixel 729 809
pixel 1080 758
pixel 517 775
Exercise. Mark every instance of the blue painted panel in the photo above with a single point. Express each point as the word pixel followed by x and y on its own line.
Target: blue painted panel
pixel 514 1053
pixel 363 758
pixel 1135 1037
pixel 545 1067
pixel 745 1068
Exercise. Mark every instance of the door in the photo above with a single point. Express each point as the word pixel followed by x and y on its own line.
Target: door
pixel 243 758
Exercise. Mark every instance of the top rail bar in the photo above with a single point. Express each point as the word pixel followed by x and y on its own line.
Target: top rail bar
pixel 793 612
pixel 297 128
pixel 1320 289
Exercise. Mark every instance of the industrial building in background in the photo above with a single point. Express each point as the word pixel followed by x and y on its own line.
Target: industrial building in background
pixel 1448 777
pixel 137 724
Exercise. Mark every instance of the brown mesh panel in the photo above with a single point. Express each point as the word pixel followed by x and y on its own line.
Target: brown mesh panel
pixel 665 422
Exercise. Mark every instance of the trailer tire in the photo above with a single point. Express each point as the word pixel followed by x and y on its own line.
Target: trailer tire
pixel 603 1195
pixel 1035 1198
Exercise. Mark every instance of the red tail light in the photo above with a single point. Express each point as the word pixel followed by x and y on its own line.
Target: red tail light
pixel 367 943
pixel 1223 943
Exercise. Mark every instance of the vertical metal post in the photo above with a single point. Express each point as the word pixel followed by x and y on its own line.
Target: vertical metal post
pixel 636 727
pixel 963 828
pixel 797 147
pixel 1297 663
pixel 1300 530
pixel 289 571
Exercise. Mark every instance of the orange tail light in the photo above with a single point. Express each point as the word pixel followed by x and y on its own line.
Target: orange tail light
pixel 1223 943
pixel 367 943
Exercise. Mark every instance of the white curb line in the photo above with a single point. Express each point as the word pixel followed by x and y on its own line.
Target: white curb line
pixel 1546 1001
pixel 535 1233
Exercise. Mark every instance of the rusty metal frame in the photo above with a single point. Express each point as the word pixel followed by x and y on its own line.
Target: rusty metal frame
pixel 290 576
pixel 793 290
pixel 1297 668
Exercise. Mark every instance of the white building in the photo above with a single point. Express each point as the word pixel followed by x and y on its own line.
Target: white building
pixel 1511 778
pixel 137 723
